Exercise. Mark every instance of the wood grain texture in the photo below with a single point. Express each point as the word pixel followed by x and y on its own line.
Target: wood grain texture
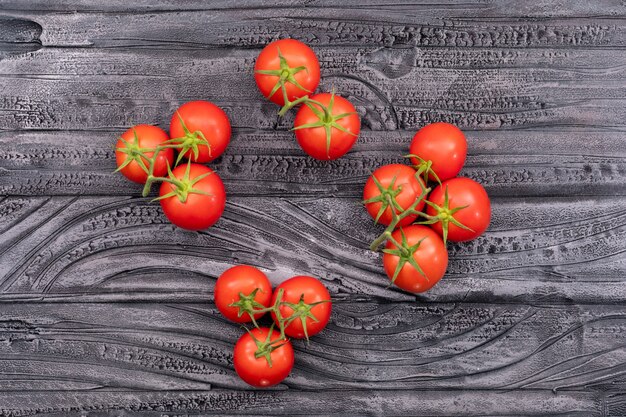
pixel 321 25
pixel 392 88
pixel 454 8
pixel 366 345
pixel 106 309
pixel 229 403
pixel 271 163
pixel 113 248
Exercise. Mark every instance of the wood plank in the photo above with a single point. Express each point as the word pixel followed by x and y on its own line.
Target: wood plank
pixel 408 346
pixel 229 403
pixel 599 8
pixel 105 308
pixel 59 89
pixel 98 63
pixel 522 163
pixel 120 248
pixel 243 27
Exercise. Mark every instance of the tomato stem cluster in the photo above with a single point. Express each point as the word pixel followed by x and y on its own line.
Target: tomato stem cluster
pixel 264 348
pixel 184 186
pixel 324 113
pixel 397 213
pixel 404 252
pixel 300 310
pixel 387 196
pixel 445 215
pixel 285 74
pixel 184 145
pixel 424 168
pixel 190 141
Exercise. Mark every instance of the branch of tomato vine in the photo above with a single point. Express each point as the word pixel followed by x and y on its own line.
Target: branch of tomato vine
pixel 397 217
pixel 300 310
pixel 325 115
pixel 185 144
pixel 388 195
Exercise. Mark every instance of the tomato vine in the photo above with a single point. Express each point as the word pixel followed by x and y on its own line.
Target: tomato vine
pixel 135 153
pixel 286 76
pixel 301 310
pixel 387 197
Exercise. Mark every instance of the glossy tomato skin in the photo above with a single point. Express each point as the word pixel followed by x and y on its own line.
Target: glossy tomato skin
pixel 313 140
pixel 442 143
pixel 208 118
pixel 256 371
pixel 431 256
pixel 404 177
pixel 149 137
pixel 297 54
pixel 199 211
pixel 241 279
pixel 314 291
pixel 463 192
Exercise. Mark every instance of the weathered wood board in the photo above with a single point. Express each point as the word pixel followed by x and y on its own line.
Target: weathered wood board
pixel 105 308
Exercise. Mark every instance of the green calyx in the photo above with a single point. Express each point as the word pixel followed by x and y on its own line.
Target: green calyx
pixel 285 74
pixel 387 197
pixel 264 348
pixel 424 168
pixel 248 305
pixel 182 186
pixel 445 215
pixel 405 253
pixel 326 119
pixel 134 153
pixel 189 142
pixel 302 311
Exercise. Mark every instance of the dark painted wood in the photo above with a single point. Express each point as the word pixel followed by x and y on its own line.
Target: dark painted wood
pixel 521 163
pixel 229 403
pixel 537 250
pixel 367 345
pixel 105 308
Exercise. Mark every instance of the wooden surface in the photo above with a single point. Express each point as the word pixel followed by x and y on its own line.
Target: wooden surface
pixel 105 308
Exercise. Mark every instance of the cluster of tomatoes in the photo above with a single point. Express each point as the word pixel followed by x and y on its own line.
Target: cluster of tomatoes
pixel 419 219
pixel 300 307
pixel 326 125
pixel 191 194
pixel 457 209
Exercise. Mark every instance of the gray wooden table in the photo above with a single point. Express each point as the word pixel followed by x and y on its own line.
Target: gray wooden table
pixel 106 308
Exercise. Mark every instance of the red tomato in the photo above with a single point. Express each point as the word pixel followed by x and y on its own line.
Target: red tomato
pixel 261 359
pixel 397 181
pixel 142 138
pixel 199 210
pixel 202 120
pixel 247 281
pixel 300 70
pixel 327 137
pixel 461 192
pixel 308 300
pixel 422 247
pixel 443 144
